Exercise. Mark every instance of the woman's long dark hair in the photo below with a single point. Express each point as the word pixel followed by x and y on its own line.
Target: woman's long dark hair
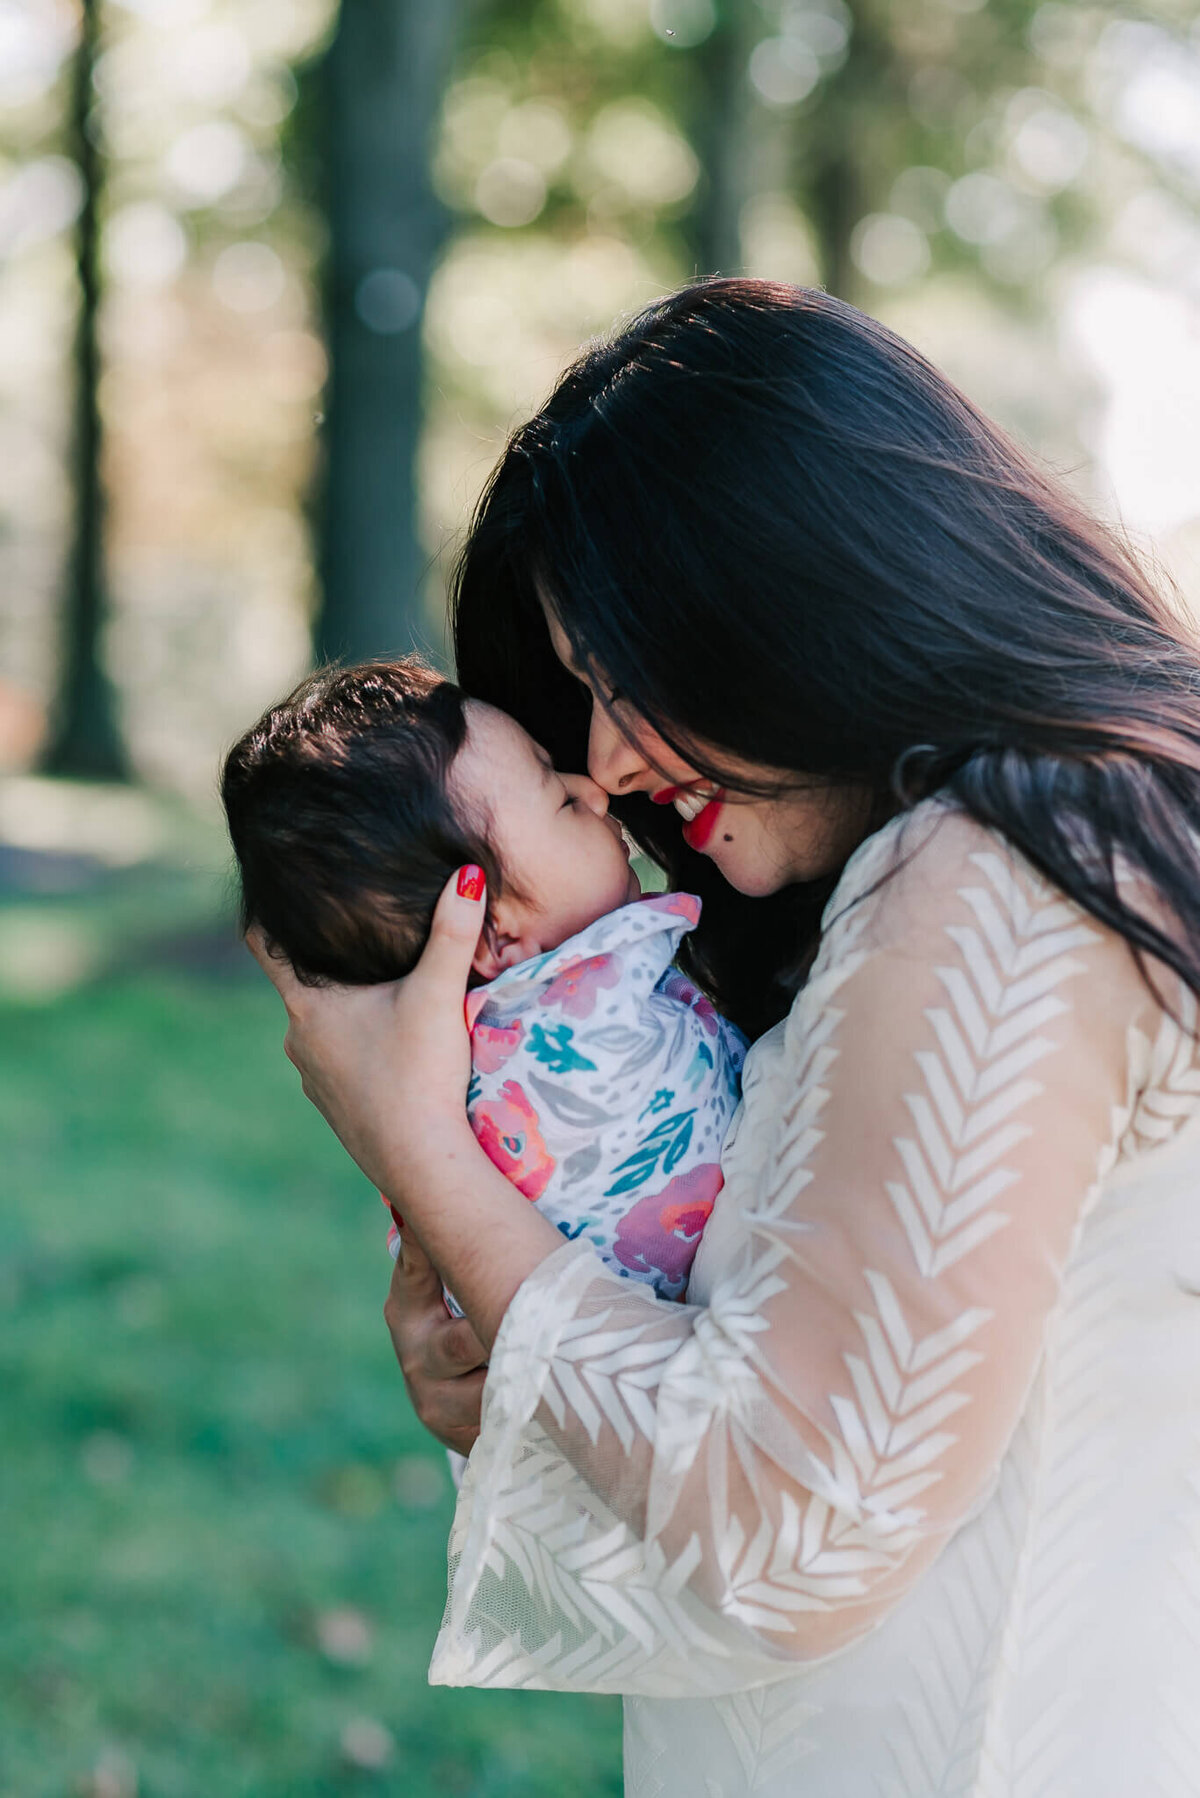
pixel 786 538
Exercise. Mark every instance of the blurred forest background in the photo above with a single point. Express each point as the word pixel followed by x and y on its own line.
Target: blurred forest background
pixel 276 278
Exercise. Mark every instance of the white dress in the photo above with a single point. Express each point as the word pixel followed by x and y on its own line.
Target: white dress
pixel 906 1500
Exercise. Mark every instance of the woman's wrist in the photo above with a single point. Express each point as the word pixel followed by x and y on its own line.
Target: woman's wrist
pixel 442 1141
pixel 482 1235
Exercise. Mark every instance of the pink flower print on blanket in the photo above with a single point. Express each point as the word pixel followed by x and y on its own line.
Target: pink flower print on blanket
pixel 676 905
pixel 576 989
pixel 507 1128
pixel 678 986
pixel 661 1233
pixel 492 1044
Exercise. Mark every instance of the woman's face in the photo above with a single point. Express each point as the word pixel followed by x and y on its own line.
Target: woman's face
pixel 759 845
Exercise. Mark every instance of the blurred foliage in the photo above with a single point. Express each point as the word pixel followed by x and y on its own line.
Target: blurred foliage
pixel 600 113
pixel 224 1547
pixel 953 165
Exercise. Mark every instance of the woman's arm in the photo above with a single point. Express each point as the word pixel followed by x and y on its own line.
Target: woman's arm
pixel 674 1500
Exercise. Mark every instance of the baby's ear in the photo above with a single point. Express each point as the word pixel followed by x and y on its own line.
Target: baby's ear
pixel 499 948
pixel 486 962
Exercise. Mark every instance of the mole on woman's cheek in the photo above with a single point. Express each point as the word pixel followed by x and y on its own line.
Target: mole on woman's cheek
pixel 727 838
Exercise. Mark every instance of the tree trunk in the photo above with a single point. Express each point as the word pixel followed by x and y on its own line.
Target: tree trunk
pixel 84 737
pixel 834 208
pixel 721 133
pixel 847 147
pixel 384 79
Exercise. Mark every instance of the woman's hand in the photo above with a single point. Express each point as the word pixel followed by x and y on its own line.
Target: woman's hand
pixel 441 1358
pixel 387 1066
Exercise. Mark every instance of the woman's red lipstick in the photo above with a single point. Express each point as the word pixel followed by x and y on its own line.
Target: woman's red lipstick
pixel 697 834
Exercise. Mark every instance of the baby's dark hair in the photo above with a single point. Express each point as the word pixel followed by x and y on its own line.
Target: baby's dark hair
pixel 342 823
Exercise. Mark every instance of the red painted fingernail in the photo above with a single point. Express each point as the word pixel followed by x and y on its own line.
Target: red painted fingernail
pixel 470 882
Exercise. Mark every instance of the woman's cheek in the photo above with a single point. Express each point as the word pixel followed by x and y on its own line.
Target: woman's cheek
pixel 760 850
pixel 742 856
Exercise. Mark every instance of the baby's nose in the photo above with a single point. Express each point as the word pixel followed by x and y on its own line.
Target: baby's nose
pixel 591 792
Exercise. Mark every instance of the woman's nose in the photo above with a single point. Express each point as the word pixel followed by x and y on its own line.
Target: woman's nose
pixel 614 763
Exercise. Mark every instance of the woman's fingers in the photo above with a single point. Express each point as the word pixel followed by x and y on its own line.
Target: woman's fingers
pixel 441 1358
pixel 452 1415
pixel 429 1343
pixel 455 1349
pixel 454 933
pixel 416 1269
pixel 276 967
pixel 279 971
pixel 421 1016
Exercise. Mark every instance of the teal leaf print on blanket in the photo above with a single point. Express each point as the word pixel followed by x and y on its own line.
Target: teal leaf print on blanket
pixel 702 1063
pixel 667 1142
pixel 554 1048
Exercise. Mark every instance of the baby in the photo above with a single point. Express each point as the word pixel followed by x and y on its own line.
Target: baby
pixel 603 1083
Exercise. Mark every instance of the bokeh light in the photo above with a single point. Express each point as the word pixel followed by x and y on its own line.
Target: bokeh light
pixel 890 249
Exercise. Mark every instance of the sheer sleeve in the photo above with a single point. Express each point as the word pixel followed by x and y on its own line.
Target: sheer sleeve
pixel 679 1499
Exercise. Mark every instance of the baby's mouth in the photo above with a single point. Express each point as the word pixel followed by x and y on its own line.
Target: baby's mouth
pixel 617 831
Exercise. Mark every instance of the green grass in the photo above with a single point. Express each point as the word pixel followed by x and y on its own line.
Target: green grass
pixel 223 1543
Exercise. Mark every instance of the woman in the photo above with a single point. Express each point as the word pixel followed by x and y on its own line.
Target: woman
pixel 906 1499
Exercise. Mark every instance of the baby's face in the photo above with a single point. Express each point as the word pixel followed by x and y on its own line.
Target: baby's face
pixel 552 832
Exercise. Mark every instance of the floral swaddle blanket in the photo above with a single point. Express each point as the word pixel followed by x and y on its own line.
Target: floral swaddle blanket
pixel 603 1086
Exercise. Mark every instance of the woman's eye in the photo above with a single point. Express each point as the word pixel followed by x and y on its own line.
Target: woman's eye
pixel 569 803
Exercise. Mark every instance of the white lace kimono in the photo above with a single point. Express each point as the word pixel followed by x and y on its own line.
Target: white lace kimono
pixel 906 1500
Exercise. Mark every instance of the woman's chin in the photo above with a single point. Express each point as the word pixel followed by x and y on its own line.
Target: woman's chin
pixel 752 882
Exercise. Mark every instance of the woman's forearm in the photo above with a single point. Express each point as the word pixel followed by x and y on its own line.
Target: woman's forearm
pixel 481 1234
